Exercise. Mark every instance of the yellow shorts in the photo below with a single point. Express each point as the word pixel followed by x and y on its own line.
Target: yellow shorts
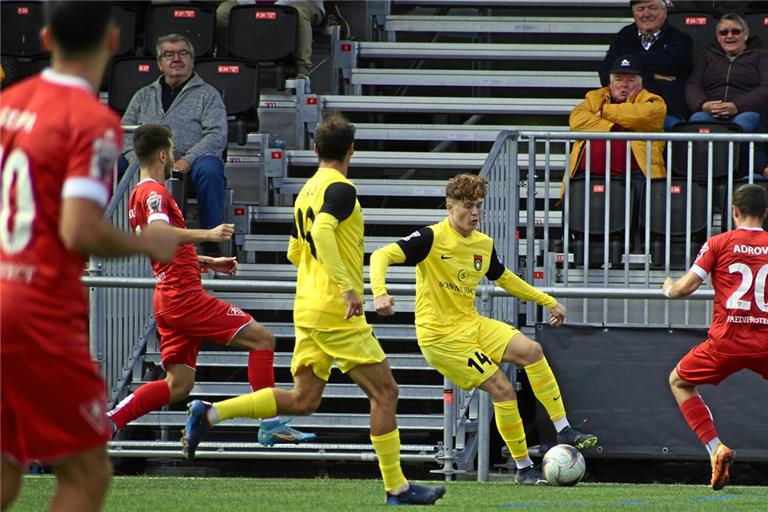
pixel 471 354
pixel 348 348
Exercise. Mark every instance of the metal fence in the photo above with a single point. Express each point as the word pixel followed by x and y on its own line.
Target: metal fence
pixel 612 233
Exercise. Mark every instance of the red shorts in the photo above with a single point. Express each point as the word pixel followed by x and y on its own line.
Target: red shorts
pixel 704 365
pixel 201 317
pixel 52 407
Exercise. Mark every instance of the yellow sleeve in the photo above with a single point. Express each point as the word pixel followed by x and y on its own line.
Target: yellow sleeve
pixel 294 251
pixel 584 118
pixel 645 114
pixel 324 236
pixel 522 290
pixel 381 259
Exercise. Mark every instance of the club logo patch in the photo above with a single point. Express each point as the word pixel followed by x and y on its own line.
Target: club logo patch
pixel 154 202
pixel 233 311
pixel 478 262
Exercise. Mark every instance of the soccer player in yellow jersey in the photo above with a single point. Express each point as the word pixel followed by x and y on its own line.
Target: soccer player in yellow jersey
pixel 327 248
pixel 450 258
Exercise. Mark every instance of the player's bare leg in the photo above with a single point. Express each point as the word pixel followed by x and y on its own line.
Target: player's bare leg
pixel 180 379
pixel 698 417
pixel 82 481
pixel 377 382
pixel 11 482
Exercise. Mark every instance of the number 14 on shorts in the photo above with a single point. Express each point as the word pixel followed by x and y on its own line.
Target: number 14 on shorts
pixel 479 360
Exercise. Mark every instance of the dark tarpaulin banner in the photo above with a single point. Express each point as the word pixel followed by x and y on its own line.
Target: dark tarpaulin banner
pixel 617 379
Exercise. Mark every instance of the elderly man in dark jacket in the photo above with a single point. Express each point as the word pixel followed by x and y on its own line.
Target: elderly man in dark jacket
pixel 664 53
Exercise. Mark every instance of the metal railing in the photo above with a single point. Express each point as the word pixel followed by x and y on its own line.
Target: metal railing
pixel 640 254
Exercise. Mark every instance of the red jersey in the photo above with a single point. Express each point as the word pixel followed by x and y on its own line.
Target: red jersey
pixel 150 201
pixel 738 263
pixel 56 142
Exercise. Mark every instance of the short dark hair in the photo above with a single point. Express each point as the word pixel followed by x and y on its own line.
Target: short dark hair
pixel 334 136
pixel 751 200
pixel 78 27
pixel 148 139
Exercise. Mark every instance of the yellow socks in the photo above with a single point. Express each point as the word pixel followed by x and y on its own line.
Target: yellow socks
pixel 545 388
pixel 387 448
pixel 259 404
pixel 510 427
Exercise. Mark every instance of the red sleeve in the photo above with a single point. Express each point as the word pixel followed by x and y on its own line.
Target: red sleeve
pixel 707 257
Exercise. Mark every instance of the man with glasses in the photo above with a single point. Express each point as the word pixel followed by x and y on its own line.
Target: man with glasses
pixel 664 53
pixel 195 112
pixel 451 257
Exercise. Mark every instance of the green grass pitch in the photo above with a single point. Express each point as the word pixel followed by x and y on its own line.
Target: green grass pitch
pixel 171 494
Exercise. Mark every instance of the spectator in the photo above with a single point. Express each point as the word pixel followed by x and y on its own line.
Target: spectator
pixel 312 13
pixel 730 83
pixel 622 106
pixel 664 53
pixel 195 112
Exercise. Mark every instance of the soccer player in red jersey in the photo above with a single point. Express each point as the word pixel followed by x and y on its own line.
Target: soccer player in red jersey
pixel 58 149
pixel 738 337
pixel 185 314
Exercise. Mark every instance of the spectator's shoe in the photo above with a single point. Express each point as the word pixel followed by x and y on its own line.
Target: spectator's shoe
pixel 417 495
pixel 530 476
pixel 334 17
pixel 196 428
pixel 573 437
pixel 277 431
pixel 721 461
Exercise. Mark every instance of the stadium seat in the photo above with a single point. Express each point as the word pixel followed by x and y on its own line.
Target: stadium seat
pixel 701 151
pixel 264 34
pixel 678 198
pixel 758 26
pixel 699 25
pixel 597 227
pixel 238 84
pixel 128 75
pixel 125 19
pixel 197 22
pixel 21 23
pixel 16 68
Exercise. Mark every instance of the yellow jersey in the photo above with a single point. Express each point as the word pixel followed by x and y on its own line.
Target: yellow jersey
pixel 327 248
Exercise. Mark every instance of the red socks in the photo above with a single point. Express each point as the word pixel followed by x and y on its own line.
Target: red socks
pixel 697 414
pixel 261 373
pixel 147 398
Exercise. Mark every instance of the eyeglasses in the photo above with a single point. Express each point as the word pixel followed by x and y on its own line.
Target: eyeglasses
pixel 726 31
pixel 170 55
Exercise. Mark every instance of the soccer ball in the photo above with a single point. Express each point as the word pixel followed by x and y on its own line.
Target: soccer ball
pixel 563 465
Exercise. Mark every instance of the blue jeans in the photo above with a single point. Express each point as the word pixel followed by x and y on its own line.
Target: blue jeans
pixel 207 176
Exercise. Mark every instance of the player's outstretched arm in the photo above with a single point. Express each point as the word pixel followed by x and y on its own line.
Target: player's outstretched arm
pixel 225 265
pixel 220 233
pixel 82 228
pixel 683 287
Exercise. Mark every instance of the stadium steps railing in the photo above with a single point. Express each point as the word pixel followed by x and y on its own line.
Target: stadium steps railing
pixel 503 24
pixel 483 51
pixel 448 105
pixel 580 80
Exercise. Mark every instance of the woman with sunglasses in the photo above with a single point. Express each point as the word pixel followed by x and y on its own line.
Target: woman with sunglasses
pixel 729 82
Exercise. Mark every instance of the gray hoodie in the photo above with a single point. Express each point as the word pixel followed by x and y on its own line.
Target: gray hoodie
pixel 197 117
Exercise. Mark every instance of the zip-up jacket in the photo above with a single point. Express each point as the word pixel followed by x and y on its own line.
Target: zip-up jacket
pixel 743 80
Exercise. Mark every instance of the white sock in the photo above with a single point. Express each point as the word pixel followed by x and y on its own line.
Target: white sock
pixel 561 423
pixel 712 445
pixel 524 463
pixel 273 418
pixel 212 416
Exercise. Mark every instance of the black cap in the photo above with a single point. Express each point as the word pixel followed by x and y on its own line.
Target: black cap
pixel 626 64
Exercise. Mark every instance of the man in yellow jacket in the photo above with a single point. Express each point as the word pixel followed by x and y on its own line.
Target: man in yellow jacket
pixel 622 106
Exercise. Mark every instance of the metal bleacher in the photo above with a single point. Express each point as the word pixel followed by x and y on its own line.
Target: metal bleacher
pixel 416 128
